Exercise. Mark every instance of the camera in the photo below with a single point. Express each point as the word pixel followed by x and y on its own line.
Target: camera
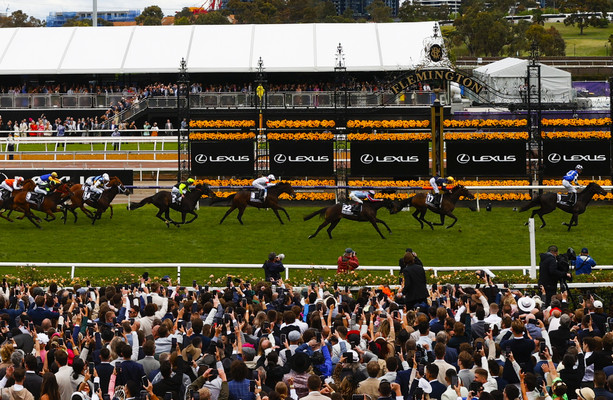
pixel 571 254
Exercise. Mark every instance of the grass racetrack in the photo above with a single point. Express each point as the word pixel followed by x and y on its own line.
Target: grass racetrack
pixel 491 238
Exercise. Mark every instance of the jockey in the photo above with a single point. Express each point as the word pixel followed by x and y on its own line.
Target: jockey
pixel 96 184
pixel 43 185
pixel 570 182
pixel 180 189
pixel 359 195
pixel 262 183
pixel 8 185
pixel 437 181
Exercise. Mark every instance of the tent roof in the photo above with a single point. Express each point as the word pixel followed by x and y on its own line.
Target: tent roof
pixel 514 67
pixel 212 48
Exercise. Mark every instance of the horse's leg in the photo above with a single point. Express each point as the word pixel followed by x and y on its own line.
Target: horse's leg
pixel 442 216
pixel 422 216
pixel 232 208
pixel 159 215
pixel 541 217
pixel 286 214
pixel 241 210
pixel 191 220
pixel 455 219
pixel 326 222
pixel 5 217
pixel 332 226
pixel 380 221
pixel 277 214
pixel 86 212
pixel 111 208
pixel 50 217
pixel 574 221
pixel 415 215
pixel 30 215
pixel 373 221
pixel 72 210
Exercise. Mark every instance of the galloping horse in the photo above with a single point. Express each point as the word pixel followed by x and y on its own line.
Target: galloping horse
pixel 114 187
pixel 448 203
pixel 163 201
pixel 242 199
pixel 334 214
pixel 48 206
pixel 7 204
pixel 77 202
pixel 549 201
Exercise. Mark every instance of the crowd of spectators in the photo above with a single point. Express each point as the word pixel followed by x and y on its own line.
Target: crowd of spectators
pixel 270 341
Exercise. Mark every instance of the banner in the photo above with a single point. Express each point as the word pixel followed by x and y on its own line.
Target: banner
pixel 301 157
pixel 224 157
pixel 74 175
pixel 393 158
pixel 486 157
pixel 560 156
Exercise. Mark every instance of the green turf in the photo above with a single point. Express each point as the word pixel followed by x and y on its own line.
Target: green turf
pixel 479 238
pixel 591 43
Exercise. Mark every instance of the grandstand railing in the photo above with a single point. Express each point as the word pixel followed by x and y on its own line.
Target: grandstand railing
pixel 288 267
pixel 60 100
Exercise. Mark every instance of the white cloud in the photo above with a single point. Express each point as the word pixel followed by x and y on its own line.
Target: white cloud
pixel 41 8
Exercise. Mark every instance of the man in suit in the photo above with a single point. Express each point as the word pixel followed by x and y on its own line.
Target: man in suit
pixel 443 366
pixel 32 381
pixel 414 288
pixel 149 363
pixel 549 273
pixel 130 369
pixel 370 386
pixel 432 376
pixel 314 385
pixel 104 369
pixel 63 375
pixel 23 341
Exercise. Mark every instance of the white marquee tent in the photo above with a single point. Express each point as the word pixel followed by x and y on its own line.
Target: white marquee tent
pixel 211 48
pixel 507 79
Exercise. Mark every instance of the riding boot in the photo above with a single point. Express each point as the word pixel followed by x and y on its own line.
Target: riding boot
pixel 261 194
pixel 571 199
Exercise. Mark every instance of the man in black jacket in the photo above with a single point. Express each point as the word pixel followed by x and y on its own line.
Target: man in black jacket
pixel 549 274
pixel 273 267
pixel 414 289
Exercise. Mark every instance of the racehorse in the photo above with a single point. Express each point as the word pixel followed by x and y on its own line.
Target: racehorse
pixel 60 194
pixel 446 208
pixel 549 201
pixel 242 199
pixel 334 214
pixel 77 202
pixel 6 204
pixel 114 187
pixel 163 201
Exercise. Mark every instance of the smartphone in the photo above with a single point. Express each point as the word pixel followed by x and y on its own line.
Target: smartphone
pixel 506 285
pixel 543 346
pixel 479 346
pixel 149 299
pixel 206 288
pixel 31 326
pixel 318 337
pixel 87 283
pixel 335 285
pixel 59 341
pixel 174 343
pixel 194 308
pixel 90 331
pixel 252 386
pixel 194 284
pixel 434 287
pixel 229 281
pixel 144 381
pixel 348 356
pixel 96 386
pixel 91 369
pixel 507 352
pixel 283 338
pixel 456 286
pixel 454 381
pixel 397 349
pixel 118 368
pixel 420 369
pixel 347 288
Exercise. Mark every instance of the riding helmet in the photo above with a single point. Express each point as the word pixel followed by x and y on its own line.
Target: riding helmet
pixel 54 174
pixel 271 177
pixel 191 180
pixel 450 179
pixel 371 192
pixel 105 177
pixel 579 167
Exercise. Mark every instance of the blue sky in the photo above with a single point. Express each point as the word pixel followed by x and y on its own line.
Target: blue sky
pixel 41 8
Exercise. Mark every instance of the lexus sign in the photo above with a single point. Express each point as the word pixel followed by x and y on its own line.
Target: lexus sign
pixel 302 157
pixel 402 159
pixel 227 157
pixel 560 156
pixel 486 158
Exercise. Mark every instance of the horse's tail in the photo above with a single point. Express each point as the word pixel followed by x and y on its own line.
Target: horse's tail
pixel 217 199
pixel 533 203
pixel 146 200
pixel 318 212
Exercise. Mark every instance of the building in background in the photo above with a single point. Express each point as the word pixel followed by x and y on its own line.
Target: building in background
pixel 56 19
pixel 454 5
pixel 359 6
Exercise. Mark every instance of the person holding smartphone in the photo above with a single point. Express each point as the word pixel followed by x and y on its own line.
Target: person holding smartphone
pixel 454 388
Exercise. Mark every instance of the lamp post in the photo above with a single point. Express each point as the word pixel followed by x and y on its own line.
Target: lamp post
pixel 182 112
pixel 535 116
pixel 260 92
pixel 340 79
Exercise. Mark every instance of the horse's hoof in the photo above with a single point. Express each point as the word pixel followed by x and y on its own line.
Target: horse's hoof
pixel 542 226
pixel 447 227
pixel 526 224
pixel 311 236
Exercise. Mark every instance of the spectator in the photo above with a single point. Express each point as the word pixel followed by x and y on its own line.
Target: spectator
pixel 116 134
pixel 414 282
pixel 49 389
pixel 17 391
pixel 584 262
pixel 549 273
pixel 347 262
pixel 273 267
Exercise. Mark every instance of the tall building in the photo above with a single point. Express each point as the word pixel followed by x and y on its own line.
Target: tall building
pixel 56 19
pixel 359 6
pixel 454 5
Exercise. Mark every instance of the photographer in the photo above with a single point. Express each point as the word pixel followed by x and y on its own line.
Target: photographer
pixel 550 273
pixel 273 267
pixel 584 263
pixel 347 262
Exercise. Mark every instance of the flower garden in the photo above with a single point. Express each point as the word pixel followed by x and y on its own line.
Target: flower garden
pixel 404 130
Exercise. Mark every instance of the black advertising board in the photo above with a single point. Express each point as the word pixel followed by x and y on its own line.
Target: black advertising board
pixel 75 175
pixel 560 156
pixel 301 157
pixel 224 157
pixel 486 157
pixel 397 158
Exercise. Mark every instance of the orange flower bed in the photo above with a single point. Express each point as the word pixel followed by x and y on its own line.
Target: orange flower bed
pixel 576 122
pixel 388 136
pixel 245 123
pixel 389 124
pixel 577 135
pixel 284 123
pixel 301 136
pixel 425 183
pixel 247 182
pixel 486 136
pixel 221 136
pixel 485 123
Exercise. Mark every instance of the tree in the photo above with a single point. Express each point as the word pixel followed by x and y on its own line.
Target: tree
pixel 182 21
pixel 212 18
pixel 379 12
pixel 549 41
pixel 151 15
pixel 585 13
pixel 483 32
pixel 86 22
pixel 19 19
pixel 259 11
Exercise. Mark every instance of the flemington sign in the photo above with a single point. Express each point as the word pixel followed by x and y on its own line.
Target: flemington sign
pixel 441 75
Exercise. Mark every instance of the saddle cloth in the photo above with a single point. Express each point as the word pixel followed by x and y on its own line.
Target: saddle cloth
pixel 254 197
pixel 351 209
pixel 563 199
pixel 430 199
pixel 32 197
